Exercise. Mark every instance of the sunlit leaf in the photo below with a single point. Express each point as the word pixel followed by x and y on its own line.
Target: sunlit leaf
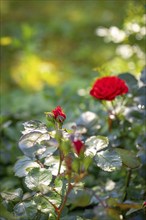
pixel 87 119
pixel 129 158
pixel 34 125
pixel 96 143
pixel 14 195
pixel 58 184
pixel 23 165
pixel 31 142
pixel 53 164
pixel 27 210
pixel 55 198
pixel 108 160
pixel 38 177
pixel 49 147
pixel 43 204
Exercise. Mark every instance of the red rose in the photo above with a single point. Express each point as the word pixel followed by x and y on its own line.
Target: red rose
pixel 59 114
pixel 78 146
pixel 108 87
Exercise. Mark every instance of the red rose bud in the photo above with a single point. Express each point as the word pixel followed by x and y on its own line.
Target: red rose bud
pixel 78 146
pixel 59 115
pixel 144 204
pixel 108 87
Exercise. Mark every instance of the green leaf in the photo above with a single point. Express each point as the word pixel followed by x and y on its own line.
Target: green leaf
pixel 4 214
pixel 58 184
pixel 14 195
pixel 38 177
pixel 55 198
pixel 130 80
pixel 31 142
pixel 143 75
pixel 108 160
pixel 86 162
pixel 79 198
pixel 23 165
pixel 43 204
pixel 87 119
pixel 26 210
pixel 76 164
pixel 129 158
pixel 96 143
pixel 53 165
pixel 34 125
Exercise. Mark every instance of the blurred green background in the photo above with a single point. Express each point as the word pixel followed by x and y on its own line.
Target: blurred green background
pixel 51 52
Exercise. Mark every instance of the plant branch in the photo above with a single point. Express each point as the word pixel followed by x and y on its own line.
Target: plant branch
pixel 65 199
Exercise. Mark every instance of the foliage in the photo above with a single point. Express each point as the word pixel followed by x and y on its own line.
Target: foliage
pixel 56 174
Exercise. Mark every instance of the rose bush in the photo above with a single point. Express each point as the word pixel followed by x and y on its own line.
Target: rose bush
pixel 108 87
pixel 70 172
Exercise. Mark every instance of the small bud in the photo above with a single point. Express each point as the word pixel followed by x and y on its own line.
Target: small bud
pixel 144 204
pixel 78 146
pixel 50 116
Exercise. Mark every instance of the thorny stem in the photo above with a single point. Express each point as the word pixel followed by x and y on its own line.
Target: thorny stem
pixel 127 184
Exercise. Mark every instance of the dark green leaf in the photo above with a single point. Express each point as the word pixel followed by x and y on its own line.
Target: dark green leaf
pixel 27 210
pixel 130 80
pixel 79 198
pixel 143 76
pixel 129 158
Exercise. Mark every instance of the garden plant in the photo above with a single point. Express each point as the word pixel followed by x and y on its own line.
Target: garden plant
pixel 90 168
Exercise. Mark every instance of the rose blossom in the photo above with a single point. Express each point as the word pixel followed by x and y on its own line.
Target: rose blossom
pixel 59 114
pixel 78 146
pixel 108 87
